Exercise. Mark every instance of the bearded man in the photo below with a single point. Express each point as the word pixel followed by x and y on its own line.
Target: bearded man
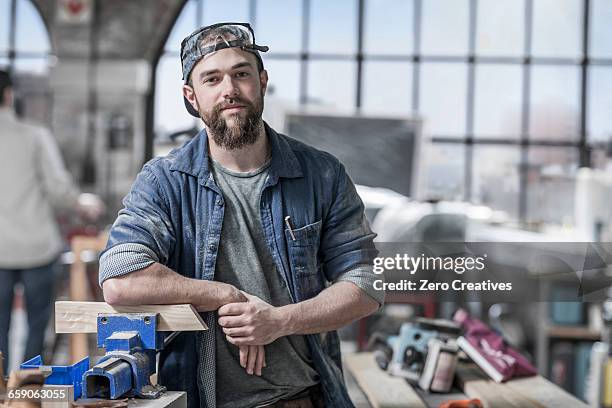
pixel 264 235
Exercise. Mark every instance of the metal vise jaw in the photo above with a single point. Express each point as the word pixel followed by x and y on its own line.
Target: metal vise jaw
pixel 131 341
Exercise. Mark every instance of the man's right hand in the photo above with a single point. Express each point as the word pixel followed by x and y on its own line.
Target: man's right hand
pixel 253 359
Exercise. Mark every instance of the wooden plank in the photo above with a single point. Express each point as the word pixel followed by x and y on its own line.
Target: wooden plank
pixel 574 333
pixel 80 317
pixel 495 395
pixel 544 392
pixel 526 392
pixel 79 286
pixel 382 390
pixel 79 345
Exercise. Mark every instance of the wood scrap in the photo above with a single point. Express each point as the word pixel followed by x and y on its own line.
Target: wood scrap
pixel 79 285
pixel 545 392
pixel 382 390
pixel 81 317
pixel 30 379
pixel 526 392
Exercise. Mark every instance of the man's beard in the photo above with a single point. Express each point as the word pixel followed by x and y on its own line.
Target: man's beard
pixel 242 132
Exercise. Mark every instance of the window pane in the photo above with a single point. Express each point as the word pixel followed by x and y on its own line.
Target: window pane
pixel 388 27
pixel 185 24
pixel 332 83
pixel 283 91
pixel 32 89
pixel 498 101
pixel 34 100
pixel 284 80
pixel 387 87
pixel 501 27
pixel 215 11
pixel 333 26
pixel 170 113
pixel 444 166
pixel 445 27
pixel 601 28
pixel 496 177
pixel 32 66
pixel 5 18
pixel 557 28
pixel 31 33
pixel 554 103
pixel 280 37
pixel 599 103
pixel 443 96
pixel 550 184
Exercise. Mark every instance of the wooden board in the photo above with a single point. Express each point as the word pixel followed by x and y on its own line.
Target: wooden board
pixel 80 317
pixel 79 286
pixel 527 392
pixel 495 395
pixel 382 390
pixel 544 392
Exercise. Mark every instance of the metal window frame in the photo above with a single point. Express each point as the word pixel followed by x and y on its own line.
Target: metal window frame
pixel 472 60
pixel 14 55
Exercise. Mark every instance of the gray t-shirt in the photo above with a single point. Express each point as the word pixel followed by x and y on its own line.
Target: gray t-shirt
pixel 245 262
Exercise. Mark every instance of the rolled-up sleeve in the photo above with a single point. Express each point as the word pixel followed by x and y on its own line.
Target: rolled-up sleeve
pixel 143 232
pixel 364 278
pixel 346 240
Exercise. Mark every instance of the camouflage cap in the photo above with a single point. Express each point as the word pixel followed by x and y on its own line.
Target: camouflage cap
pixel 210 39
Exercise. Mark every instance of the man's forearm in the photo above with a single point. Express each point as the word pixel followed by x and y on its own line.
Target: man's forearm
pixel 158 284
pixel 335 307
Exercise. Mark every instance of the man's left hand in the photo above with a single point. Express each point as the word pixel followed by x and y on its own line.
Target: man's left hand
pixel 252 323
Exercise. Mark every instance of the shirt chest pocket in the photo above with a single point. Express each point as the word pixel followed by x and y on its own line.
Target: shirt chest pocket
pixel 303 247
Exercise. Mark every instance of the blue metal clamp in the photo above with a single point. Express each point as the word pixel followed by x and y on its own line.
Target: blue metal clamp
pixel 131 341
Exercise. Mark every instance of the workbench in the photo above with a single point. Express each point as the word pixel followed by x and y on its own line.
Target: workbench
pixel 170 399
pixel 381 390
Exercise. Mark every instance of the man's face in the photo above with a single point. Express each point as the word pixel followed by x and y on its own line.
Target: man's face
pixel 228 93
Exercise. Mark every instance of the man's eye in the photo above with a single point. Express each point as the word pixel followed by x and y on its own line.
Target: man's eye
pixel 242 74
pixel 211 80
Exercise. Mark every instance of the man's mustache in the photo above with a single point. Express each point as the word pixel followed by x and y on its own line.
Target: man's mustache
pixel 231 102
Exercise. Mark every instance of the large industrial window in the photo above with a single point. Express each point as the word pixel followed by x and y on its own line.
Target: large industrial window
pixel 24 51
pixel 515 94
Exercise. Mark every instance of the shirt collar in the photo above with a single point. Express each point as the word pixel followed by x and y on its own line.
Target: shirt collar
pixel 192 158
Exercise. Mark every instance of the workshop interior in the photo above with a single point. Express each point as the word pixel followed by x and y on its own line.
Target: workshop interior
pixel 468 127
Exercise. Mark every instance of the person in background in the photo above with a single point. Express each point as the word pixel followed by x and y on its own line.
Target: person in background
pixel 33 181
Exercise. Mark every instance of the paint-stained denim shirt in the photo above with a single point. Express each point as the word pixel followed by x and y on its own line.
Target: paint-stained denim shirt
pixel 173 215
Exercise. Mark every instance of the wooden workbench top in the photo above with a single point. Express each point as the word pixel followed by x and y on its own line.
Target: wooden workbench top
pixel 385 391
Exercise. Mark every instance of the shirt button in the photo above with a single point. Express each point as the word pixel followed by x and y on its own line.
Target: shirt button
pixel 212 247
pixel 220 202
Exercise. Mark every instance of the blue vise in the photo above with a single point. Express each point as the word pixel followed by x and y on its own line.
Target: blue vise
pixel 131 341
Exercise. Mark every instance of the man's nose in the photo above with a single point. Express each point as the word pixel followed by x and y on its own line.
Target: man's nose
pixel 230 90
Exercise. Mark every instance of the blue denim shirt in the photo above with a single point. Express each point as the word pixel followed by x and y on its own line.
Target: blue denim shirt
pixel 175 210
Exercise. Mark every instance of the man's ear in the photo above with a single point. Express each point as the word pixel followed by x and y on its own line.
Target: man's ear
pixel 189 94
pixel 263 81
